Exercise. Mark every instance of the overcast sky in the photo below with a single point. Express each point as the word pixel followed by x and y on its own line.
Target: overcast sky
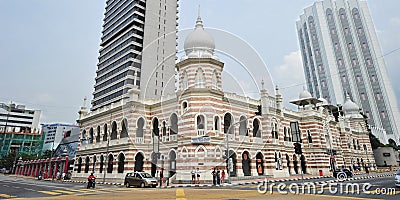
pixel 49 48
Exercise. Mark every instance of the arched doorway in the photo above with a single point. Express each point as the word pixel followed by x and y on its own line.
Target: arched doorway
pixel 79 165
pixel 288 162
pixel 87 160
pixel 260 163
pixel 303 164
pixel 139 162
pixel 295 164
pixel 101 163
pixel 246 164
pixel 121 163
pixel 232 163
pixel 94 163
pixel 110 163
pixel 172 163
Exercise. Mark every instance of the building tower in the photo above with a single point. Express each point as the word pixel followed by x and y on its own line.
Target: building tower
pixel 137 50
pixel 341 53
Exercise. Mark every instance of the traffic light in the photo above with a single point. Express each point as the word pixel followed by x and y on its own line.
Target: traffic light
pixel 297 148
pixel 258 110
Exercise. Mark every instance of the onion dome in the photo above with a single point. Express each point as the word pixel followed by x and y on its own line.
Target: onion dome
pixel 305 94
pixel 199 43
pixel 349 106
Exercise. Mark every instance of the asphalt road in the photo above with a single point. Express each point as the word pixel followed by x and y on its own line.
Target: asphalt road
pixel 20 188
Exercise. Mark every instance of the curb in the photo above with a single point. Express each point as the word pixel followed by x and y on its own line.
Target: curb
pixel 249 183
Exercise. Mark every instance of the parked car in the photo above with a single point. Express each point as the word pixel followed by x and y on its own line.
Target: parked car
pixel 397 179
pixel 140 179
pixel 348 173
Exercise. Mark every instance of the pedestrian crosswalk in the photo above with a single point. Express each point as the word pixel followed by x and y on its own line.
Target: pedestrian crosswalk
pixel 68 191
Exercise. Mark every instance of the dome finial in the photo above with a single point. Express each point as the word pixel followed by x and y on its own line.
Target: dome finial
pixel 199 22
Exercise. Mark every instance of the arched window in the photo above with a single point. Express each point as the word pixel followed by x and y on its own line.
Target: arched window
pixel 124 131
pixel 200 80
pixel 227 123
pixel 217 123
pixel 121 163
pixel 105 134
pixel 184 80
pixel 98 134
pixel 174 124
pixel 214 80
pixel 114 131
pixel 256 128
pixel 243 126
pixel 201 124
pixel 156 130
pixel 309 137
pixel 83 138
pixel 164 128
pixel 110 163
pixel 139 127
pixel 91 136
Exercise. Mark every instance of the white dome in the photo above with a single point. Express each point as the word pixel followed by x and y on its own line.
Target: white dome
pixel 199 43
pixel 305 94
pixel 350 107
pixel 324 101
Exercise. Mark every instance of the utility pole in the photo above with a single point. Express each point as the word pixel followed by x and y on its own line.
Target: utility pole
pixel 5 127
pixel 108 145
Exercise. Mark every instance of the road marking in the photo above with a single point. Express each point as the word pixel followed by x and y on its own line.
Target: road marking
pixel 49 192
pixel 64 191
pixel 180 194
pixel 7 196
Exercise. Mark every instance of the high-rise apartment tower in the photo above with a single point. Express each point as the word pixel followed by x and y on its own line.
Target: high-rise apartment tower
pixel 138 50
pixel 341 54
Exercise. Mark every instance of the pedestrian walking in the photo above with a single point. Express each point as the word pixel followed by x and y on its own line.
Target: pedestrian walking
pixel 198 175
pixel 63 176
pixel 58 175
pixel 218 177
pixel 223 177
pixel 214 174
pixel 161 176
pixel 193 176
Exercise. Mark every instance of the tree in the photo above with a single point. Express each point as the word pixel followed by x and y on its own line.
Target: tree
pixel 8 160
pixel 375 143
pixel 47 154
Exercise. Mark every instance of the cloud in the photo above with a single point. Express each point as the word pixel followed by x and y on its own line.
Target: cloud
pixel 289 76
pixel 395 21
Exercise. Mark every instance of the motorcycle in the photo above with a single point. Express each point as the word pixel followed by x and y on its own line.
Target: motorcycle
pixel 91 183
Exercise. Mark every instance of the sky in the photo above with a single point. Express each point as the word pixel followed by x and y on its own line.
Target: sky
pixel 49 48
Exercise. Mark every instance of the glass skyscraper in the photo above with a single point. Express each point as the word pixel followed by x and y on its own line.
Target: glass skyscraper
pixel 341 54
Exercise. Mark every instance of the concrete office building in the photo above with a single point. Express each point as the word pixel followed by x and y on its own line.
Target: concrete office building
pixel 341 54
pixel 138 50
pixel 18 126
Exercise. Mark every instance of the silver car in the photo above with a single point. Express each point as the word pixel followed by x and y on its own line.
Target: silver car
pixel 140 179
pixel 397 179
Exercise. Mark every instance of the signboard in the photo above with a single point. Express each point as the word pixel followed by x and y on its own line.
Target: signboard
pixel 386 154
pixel 201 140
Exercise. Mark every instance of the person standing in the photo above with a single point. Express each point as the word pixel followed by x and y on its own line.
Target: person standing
pixel 218 177
pixel 193 176
pixel 223 177
pixel 198 175
pixel 214 174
